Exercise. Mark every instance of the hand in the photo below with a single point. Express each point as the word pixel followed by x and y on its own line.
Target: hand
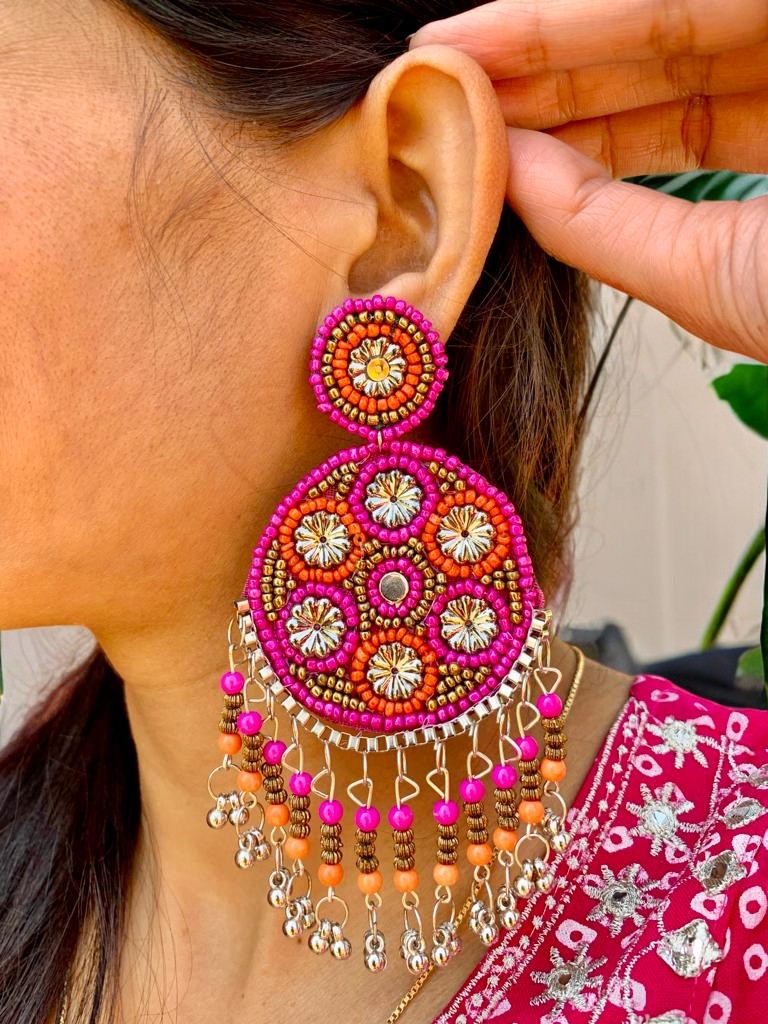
pixel 593 90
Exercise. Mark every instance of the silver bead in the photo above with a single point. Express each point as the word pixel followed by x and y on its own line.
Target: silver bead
pixel 545 881
pixel 560 841
pixel 262 850
pixel 523 886
pixel 217 818
pixel 276 897
pixel 488 934
pixel 317 942
pixel 341 949
pixel 239 815
pixel 417 963
pixel 528 869
pixel 440 956
pixel 306 911
pixel 508 918
pixel 291 927
pixel 374 951
pixel 375 961
pixel 244 858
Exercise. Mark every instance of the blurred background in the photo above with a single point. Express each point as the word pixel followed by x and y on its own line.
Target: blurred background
pixel 672 497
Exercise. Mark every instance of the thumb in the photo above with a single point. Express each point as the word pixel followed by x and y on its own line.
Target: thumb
pixel 699 263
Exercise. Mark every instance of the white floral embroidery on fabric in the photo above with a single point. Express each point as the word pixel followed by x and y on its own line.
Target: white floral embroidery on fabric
pixel 568 982
pixel 620 897
pixel 677 737
pixel 658 818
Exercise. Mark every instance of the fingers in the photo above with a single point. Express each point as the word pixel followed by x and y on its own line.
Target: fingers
pixel 718 133
pixel 556 97
pixel 701 264
pixel 526 37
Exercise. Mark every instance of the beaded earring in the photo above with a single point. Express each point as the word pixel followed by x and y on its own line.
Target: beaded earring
pixel 391 602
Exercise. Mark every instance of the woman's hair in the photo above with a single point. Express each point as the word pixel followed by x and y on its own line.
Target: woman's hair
pixel 69 788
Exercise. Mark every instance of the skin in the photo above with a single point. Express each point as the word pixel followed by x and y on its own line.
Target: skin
pixel 159 301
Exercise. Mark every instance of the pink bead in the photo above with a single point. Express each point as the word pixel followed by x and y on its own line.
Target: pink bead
pixel 472 790
pixel 446 812
pixel 528 747
pixel 400 818
pixel 330 812
pixel 232 682
pixel 550 705
pixel 301 784
pixel 367 819
pixel 249 722
pixel 504 776
pixel 273 751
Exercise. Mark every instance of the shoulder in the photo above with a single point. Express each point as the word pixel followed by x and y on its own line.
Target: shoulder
pixel 681 717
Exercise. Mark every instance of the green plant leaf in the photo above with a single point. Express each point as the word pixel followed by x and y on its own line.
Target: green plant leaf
pixel 750 665
pixel 698 185
pixel 745 389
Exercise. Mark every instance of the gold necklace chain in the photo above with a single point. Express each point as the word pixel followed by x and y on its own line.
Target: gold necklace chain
pixel 422 979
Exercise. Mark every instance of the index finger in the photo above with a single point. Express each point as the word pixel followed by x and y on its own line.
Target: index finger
pixel 523 37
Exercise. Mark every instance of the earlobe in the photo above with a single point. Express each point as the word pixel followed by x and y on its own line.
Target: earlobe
pixel 433 154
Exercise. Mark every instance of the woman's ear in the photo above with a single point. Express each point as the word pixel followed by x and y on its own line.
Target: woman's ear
pixel 432 149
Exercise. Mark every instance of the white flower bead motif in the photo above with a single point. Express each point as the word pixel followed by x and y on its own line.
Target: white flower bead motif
pixel 322 539
pixel 315 627
pixel 393 498
pixel 465 534
pixel 468 624
pixel 377 367
pixel 394 671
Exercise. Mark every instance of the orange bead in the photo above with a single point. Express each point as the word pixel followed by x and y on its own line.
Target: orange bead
pixel 479 853
pixel 445 874
pixel 504 839
pixel 249 782
pixel 295 848
pixel 276 815
pixel 229 742
pixel 406 881
pixel 531 811
pixel 552 771
pixel 330 874
pixel 369 882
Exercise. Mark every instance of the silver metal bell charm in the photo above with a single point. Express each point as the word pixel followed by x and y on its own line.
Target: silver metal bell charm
pixel 320 939
pixel 278 883
pixel 544 877
pixel 307 911
pixel 413 949
pixel 560 841
pixel 506 908
pixel 488 934
pixel 374 951
pixel 292 925
pixel 445 943
pixel 523 886
pixel 218 816
pixel 239 816
pixel 341 948
pixel 244 857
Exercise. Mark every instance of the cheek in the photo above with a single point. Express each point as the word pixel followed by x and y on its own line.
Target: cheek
pixel 66 252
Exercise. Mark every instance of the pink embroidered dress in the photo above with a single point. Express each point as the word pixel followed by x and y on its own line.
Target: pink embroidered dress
pixel 658 914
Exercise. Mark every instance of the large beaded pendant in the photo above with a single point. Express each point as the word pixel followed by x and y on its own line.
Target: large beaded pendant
pixel 391 602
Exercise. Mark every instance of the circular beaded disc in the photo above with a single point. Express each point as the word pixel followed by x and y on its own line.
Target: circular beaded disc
pixel 392 589
pixel 377 366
